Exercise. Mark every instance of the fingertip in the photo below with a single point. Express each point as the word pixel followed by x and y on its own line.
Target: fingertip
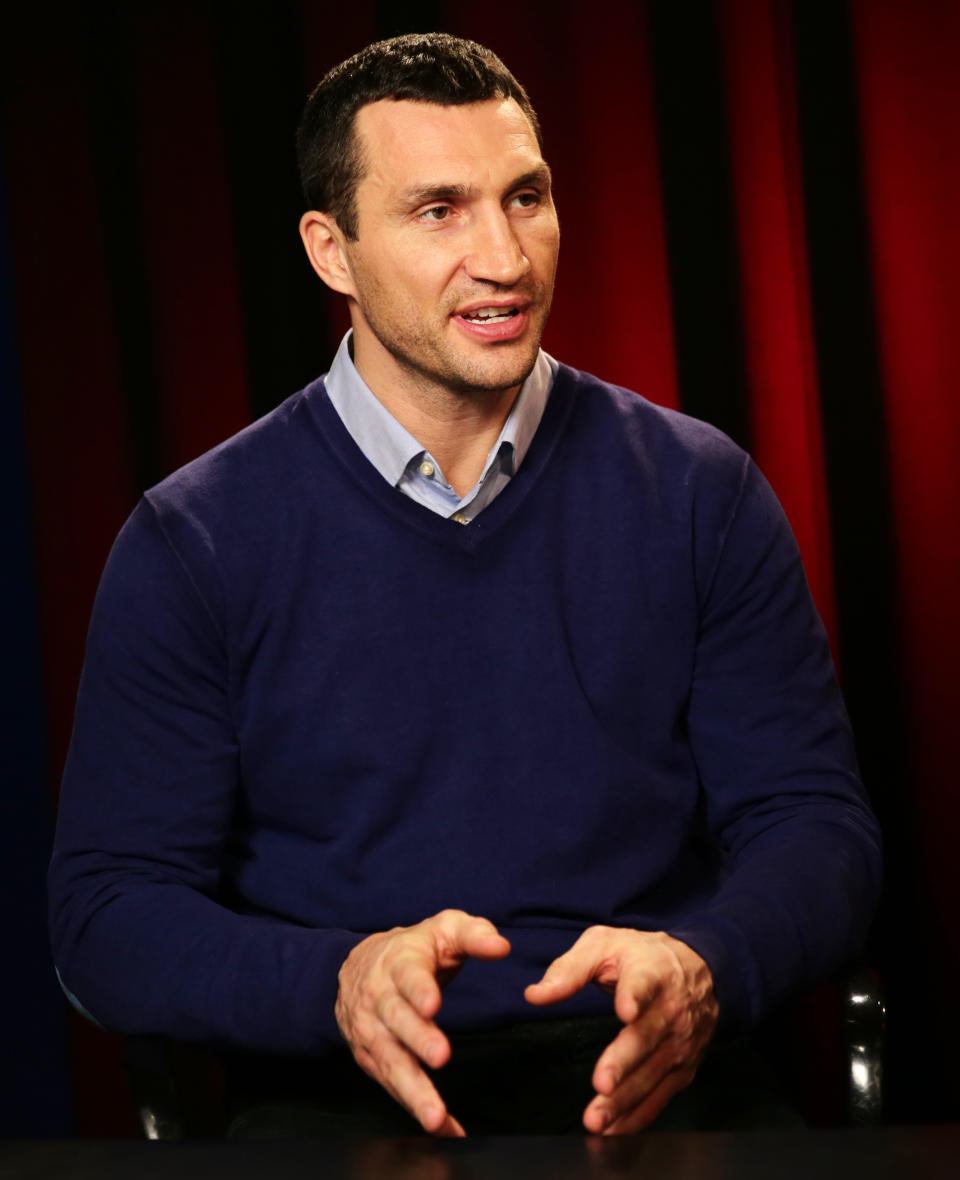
pixel 437 1053
pixel 626 1007
pixel 427 1000
pixel 594 1119
pixel 449 1128
pixel 537 993
pixel 496 946
pixel 432 1117
pixel 482 938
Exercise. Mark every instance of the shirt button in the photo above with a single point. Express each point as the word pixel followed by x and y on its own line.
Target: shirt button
pixel 427 468
pixel 459 518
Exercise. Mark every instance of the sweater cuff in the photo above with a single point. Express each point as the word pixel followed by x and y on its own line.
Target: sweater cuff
pixel 736 976
pixel 316 995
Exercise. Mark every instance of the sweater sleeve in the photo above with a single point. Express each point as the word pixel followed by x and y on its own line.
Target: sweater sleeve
pixel 140 939
pixel 769 732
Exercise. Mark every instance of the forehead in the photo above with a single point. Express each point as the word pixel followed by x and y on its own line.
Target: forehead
pixel 406 143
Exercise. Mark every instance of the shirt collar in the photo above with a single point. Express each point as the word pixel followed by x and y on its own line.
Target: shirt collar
pixel 391 448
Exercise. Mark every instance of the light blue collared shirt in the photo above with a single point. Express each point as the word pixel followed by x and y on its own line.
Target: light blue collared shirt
pixel 407 465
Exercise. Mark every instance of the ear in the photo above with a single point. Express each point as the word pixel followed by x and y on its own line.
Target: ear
pixel 325 245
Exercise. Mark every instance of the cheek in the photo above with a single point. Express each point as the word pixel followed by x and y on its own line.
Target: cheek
pixel 543 243
pixel 390 290
pixel 426 278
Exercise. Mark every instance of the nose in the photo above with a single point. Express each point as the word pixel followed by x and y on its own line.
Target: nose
pixel 495 254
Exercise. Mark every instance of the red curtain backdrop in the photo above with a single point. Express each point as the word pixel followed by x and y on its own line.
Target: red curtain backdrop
pixel 717 169
pixel 782 382
pixel 909 92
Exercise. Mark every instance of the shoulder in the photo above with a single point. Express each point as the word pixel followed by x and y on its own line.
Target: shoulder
pixel 665 446
pixel 233 505
pixel 246 469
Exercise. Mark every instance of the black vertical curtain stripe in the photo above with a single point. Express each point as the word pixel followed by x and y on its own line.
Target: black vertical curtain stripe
pixel 849 377
pixel 700 227
pixel 106 46
pixel 262 81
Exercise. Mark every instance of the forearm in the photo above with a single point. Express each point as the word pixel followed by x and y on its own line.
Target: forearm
pixel 775 756
pixel 160 958
pixel 147 807
pixel 794 906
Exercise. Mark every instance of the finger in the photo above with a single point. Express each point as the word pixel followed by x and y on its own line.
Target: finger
pixel 413 976
pixel 569 972
pixel 638 986
pixel 636 1087
pixel 401 1075
pixel 646 1112
pixel 422 1037
pixel 627 1051
pixel 478 937
pixel 423 1102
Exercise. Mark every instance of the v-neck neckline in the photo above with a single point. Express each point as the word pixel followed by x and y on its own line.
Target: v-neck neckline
pixel 442 529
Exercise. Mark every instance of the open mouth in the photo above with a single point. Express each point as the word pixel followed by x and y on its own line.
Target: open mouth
pixel 490 315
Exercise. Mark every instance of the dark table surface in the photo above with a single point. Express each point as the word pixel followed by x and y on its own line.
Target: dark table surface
pixel 907 1153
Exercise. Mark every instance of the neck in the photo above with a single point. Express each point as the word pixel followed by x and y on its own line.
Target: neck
pixel 460 435
pixel 458 429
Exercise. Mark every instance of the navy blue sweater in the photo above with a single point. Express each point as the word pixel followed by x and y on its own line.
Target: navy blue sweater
pixel 312 709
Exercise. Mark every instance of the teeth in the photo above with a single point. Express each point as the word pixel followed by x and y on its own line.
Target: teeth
pixel 490 315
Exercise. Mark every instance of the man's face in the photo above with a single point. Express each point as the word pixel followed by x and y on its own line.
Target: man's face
pixel 453 267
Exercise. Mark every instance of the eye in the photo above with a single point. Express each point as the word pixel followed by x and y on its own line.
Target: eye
pixel 436 213
pixel 528 200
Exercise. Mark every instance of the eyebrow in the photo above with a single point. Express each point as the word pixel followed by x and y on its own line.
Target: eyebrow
pixel 424 194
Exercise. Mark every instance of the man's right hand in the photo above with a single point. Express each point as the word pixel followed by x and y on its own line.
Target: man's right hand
pixel 389 995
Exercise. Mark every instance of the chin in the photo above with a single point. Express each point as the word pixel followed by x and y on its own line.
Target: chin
pixel 492 378
pixel 469 386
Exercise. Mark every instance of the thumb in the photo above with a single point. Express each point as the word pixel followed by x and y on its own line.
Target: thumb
pixel 477 937
pixel 565 976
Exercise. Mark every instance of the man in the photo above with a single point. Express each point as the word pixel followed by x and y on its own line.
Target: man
pixel 459 664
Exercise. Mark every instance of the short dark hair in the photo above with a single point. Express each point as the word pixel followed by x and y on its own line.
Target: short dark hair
pixel 421 67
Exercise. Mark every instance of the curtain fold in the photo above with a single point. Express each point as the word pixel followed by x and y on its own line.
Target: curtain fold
pixel 785 425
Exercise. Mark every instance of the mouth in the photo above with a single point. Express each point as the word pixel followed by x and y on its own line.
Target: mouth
pixel 494 323
pixel 490 315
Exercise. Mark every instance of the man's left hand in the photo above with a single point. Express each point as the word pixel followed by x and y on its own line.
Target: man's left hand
pixel 663 993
